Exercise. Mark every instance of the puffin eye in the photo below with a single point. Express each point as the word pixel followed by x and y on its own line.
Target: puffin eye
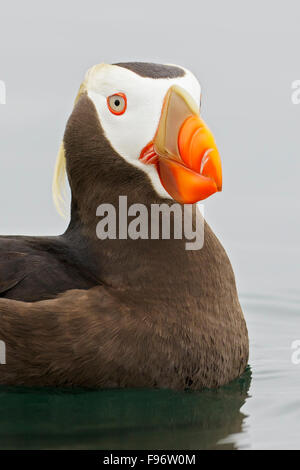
pixel 117 103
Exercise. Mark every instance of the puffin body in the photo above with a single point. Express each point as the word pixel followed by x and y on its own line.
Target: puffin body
pixel 123 312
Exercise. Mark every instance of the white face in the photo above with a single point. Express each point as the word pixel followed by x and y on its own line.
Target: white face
pixel 130 132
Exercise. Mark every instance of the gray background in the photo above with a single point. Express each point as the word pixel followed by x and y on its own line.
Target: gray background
pixel 246 56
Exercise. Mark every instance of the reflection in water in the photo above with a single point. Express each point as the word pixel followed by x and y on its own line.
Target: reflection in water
pixel 121 419
pixel 163 419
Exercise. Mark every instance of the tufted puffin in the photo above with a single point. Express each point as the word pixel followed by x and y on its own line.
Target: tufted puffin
pixel 76 310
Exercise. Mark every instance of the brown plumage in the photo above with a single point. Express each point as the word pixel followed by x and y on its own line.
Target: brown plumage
pixel 75 310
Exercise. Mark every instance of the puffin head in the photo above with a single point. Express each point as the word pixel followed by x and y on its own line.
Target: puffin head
pixel 147 115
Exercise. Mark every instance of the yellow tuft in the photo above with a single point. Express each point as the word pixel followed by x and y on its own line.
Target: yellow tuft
pixel 59 182
pixel 59 179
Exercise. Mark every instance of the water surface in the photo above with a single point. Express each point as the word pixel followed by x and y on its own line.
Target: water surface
pixel 261 409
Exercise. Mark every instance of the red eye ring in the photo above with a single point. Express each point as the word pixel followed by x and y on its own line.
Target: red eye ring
pixel 117 103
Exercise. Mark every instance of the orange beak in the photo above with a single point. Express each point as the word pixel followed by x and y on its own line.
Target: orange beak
pixel 184 150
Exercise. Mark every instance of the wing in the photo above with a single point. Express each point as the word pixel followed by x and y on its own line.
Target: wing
pixel 37 268
pixel 90 338
pixel 81 338
pixel 12 270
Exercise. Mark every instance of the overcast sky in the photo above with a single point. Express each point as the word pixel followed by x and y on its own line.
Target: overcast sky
pixel 246 55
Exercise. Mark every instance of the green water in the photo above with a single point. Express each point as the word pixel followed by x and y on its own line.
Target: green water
pixel 259 410
pixel 121 419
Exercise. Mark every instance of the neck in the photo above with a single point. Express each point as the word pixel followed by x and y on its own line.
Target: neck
pixel 131 263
